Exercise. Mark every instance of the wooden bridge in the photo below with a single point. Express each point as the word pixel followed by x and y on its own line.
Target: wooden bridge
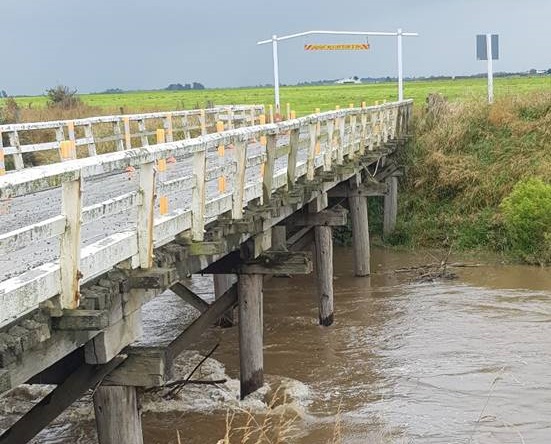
pixel 88 240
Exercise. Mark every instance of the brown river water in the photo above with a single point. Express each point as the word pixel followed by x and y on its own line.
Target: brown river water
pixel 462 361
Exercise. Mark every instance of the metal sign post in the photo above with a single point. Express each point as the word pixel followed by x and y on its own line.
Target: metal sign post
pixel 399 35
pixel 487 48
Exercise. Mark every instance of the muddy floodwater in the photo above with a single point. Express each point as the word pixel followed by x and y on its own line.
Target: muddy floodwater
pixel 462 361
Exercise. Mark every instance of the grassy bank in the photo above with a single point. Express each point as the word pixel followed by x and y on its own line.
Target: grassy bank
pixel 478 178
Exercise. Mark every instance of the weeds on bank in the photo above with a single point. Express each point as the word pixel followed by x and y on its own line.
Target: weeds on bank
pixel 465 160
pixel 278 425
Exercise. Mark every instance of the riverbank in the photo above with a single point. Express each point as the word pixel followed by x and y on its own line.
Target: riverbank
pixel 478 178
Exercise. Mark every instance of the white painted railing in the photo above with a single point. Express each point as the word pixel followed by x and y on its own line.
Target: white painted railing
pixel 91 135
pixel 272 157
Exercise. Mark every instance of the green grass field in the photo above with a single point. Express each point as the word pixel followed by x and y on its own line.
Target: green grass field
pixel 304 99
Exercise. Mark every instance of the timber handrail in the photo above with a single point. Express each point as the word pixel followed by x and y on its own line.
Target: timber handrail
pixel 120 131
pixel 283 153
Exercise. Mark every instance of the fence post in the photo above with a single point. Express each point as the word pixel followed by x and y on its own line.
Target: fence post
pixel 127 134
pixel 69 252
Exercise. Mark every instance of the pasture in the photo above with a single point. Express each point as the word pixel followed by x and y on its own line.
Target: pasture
pixel 304 99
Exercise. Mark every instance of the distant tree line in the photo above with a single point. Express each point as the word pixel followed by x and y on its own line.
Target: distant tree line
pixel 187 86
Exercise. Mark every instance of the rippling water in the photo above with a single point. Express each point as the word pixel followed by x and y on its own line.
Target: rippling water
pixel 464 361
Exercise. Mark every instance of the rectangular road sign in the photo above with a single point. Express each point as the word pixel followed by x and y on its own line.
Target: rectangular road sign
pixel 482 48
pixel 337 47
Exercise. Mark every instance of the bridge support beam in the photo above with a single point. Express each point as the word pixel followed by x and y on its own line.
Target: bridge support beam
pixel 222 283
pixel 360 235
pixel 251 358
pixel 391 205
pixel 324 273
pixel 118 417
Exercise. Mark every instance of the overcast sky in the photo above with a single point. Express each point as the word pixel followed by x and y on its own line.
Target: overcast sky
pixel 143 44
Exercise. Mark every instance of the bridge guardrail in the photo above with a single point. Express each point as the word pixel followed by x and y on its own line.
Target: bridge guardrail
pixel 87 136
pixel 283 152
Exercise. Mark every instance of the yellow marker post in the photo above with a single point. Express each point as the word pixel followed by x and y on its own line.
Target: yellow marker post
pixel 288 110
pixel 271 108
pixel 364 105
pixel 221 154
pixel 262 119
pixel 66 150
pixel 293 114
pixel 337 107
pixel 163 205
pixel 351 105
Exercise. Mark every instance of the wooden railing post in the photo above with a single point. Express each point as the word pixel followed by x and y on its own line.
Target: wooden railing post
pixel 167 125
pixel 353 146
pixel 143 129
pixel 18 156
pixel 363 132
pixel 310 166
pixel 342 136
pixel 69 254
pixel 118 135
pixel 221 155
pixel 328 154
pixel 89 134
pixel 239 179
pixel 203 122
pixel 146 204
pixel 269 168
pixel 294 141
pixel 198 195
pixel 161 169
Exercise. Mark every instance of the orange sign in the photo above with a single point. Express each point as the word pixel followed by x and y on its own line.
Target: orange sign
pixel 338 47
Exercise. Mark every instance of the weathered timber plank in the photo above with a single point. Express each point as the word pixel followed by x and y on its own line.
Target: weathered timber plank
pixel 335 217
pixel 268 263
pixel 81 320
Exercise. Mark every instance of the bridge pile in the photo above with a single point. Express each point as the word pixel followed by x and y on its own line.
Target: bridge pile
pixel 240 203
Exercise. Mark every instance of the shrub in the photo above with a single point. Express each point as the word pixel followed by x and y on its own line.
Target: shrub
pixel 63 97
pixel 527 218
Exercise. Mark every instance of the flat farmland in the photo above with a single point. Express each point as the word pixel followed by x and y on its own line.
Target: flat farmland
pixel 304 99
